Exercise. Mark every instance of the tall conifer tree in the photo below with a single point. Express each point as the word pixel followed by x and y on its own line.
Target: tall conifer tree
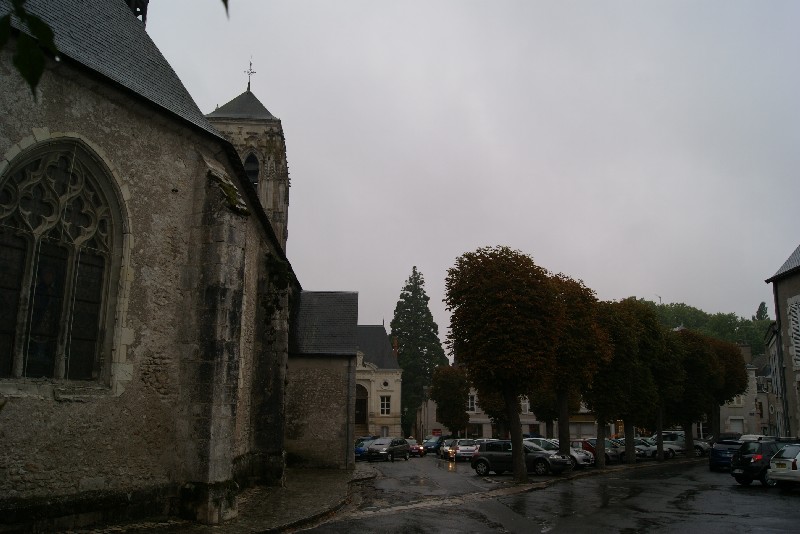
pixel 419 349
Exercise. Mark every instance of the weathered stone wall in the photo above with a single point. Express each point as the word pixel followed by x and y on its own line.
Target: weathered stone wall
pixel 173 407
pixel 320 402
pixel 787 291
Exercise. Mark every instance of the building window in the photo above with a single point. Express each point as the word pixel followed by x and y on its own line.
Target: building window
pixel 737 401
pixel 251 168
pixel 386 405
pixel 58 226
pixel 472 403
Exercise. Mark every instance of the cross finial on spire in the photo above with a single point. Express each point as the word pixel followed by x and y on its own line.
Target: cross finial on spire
pixel 249 73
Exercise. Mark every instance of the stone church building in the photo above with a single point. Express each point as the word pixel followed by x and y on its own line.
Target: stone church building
pixel 145 291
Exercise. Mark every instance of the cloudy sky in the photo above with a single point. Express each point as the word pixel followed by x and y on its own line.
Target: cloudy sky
pixel 647 148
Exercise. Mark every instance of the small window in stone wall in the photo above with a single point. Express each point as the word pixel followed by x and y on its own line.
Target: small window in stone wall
pixel 251 168
pixel 386 405
pixel 56 246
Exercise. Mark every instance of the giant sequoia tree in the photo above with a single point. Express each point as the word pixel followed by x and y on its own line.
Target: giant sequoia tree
pixel 419 350
pixel 504 324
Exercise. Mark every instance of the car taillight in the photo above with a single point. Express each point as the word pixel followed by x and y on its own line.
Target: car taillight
pixel 757 458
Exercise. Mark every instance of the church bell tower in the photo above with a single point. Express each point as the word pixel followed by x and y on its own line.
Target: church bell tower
pixel 257 136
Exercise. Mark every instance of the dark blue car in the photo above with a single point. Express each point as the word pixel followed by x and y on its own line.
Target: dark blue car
pixel 362 444
pixel 719 456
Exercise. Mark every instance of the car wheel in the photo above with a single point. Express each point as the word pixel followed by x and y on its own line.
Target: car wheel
pixel 407 456
pixel 482 468
pixel 669 453
pixel 574 462
pixel 390 457
pixel 698 451
pixel 744 481
pixel 540 467
pixel 767 480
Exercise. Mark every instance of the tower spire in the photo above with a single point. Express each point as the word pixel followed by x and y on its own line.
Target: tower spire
pixel 249 73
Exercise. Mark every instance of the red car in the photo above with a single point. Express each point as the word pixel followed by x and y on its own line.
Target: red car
pixel 415 448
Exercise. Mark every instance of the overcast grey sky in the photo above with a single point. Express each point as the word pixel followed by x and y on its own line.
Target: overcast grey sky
pixel 647 148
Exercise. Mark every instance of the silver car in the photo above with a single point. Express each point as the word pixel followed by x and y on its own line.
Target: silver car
pixel 578 457
pixel 783 466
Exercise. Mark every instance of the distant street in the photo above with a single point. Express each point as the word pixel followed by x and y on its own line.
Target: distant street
pixel 429 495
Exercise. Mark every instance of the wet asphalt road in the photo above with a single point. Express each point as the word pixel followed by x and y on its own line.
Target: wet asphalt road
pixel 428 495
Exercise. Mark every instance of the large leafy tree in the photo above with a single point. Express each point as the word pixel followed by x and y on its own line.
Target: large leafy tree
pixel 623 387
pixel 704 377
pixel 419 350
pixel 582 347
pixel 504 325
pixel 449 389
pixel 734 377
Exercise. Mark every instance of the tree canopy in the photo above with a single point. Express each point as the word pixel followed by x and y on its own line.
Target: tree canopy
pixel 504 323
pixel 419 350
pixel 449 389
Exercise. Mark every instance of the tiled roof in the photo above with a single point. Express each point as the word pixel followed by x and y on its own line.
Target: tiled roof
pixel 790 265
pixel 324 322
pixel 244 106
pixel 104 36
pixel 374 343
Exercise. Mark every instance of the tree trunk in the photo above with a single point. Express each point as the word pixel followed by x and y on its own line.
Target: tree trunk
pixel 659 429
pixel 630 446
pixel 517 450
pixel 600 445
pixel 687 432
pixel 548 429
pixel 562 399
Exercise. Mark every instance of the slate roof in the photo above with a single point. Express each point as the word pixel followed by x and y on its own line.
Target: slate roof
pixel 374 343
pixel 244 106
pixel 790 265
pixel 105 37
pixel 324 322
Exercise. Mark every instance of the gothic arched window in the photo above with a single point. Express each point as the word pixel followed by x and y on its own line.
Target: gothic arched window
pixel 59 225
pixel 251 167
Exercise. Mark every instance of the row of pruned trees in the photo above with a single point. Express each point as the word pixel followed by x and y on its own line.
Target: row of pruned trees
pixel 518 330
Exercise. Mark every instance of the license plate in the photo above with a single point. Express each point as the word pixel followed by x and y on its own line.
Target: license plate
pixel 737 471
pixel 780 465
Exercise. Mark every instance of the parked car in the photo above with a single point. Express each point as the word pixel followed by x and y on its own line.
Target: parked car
pixel 580 457
pixel 387 449
pixel 444 449
pixel 414 448
pixel 752 460
pixel 496 456
pixel 362 445
pixel 720 455
pixel 783 469
pixel 462 449
pixel 612 450
pixel 641 450
pixel 677 438
pixel 431 445
pixel 670 449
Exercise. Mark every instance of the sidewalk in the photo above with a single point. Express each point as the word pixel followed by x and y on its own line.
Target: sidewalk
pixel 309 494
